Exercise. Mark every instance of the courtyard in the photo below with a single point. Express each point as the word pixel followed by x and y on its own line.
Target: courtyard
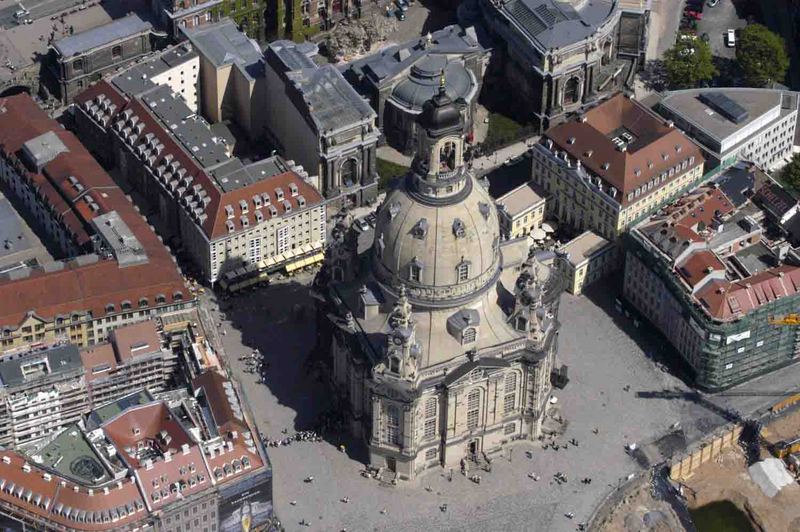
pixel 619 393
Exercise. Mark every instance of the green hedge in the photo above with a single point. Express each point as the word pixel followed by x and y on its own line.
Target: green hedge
pixel 387 171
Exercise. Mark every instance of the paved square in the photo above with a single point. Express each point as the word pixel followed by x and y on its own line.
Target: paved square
pixel 612 381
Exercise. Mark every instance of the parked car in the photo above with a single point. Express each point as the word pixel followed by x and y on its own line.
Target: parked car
pixel 400 15
pixel 730 38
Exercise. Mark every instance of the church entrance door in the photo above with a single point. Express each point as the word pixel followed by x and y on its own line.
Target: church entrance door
pixel 391 465
pixel 473 449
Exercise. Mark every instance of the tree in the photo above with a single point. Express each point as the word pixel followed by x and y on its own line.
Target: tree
pixel 688 63
pixel 790 175
pixel 762 55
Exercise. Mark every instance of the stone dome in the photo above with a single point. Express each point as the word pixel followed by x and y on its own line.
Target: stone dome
pixel 452 245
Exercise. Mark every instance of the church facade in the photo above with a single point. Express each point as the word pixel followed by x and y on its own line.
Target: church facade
pixel 440 339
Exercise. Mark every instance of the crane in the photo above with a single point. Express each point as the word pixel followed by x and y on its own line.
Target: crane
pixel 788 319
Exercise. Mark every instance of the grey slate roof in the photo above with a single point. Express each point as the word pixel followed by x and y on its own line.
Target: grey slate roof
pixel 59 359
pixel 189 129
pixel 222 43
pixel 394 60
pixel 553 24
pixel 234 174
pixel 332 102
pixel 116 30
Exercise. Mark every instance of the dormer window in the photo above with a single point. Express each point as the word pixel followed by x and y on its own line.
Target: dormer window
pixel 229 211
pixel 415 270
pixel 462 271
pixel 301 201
pixel 293 189
pixel 229 225
pixel 244 221
pixel 243 206
pixel 459 229
pixel 265 198
pixel 126 305
pixel 161 299
pixel 287 207
pixel 279 194
pixel 420 230
pixel 256 201
pixel 110 307
pixel 143 303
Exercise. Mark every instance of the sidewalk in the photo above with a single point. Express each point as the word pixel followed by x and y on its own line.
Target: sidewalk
pixel 487 163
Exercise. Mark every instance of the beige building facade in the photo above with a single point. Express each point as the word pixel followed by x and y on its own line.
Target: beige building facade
pixel 521 211
pixel 613 166
pixel 586 259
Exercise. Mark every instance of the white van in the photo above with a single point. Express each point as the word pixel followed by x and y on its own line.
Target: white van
pixel 730 38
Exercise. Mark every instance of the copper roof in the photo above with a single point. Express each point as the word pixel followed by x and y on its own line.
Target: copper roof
pixel 656 147
pixel 214 225
pixel 88 287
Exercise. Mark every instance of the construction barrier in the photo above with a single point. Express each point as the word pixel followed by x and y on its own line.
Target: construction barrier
pixel 709 448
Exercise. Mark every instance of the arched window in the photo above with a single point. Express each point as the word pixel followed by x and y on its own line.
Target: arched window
pixel 394 365
pixel 447 157
pixel 392 425
pixel 473 408
pixel 469 335
pixel 572 91
pixel 349 173
pixel 431 406
pixel 522 323
pixel 510 400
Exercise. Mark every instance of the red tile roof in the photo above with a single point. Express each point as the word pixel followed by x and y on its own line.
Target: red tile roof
pixel 653 140
pixel 698 266
pixel 726 300
pixel 89 287
pixel 214 224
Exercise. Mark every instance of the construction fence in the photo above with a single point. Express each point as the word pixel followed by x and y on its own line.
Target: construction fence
pixel 683 467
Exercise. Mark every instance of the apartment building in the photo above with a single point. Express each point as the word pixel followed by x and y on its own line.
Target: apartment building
pixel 193 463
pixel 231 77
pixel 613 165
pixel 79 60
pixel 177 67
pixel 732 123
pixel 716 277
pixel 113 269
pixel 50 386
pixel 586 259
pixel 224 214
pixel 521 211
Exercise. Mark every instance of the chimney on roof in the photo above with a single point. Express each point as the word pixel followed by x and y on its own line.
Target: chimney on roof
pixel 167 456
pixel 185 448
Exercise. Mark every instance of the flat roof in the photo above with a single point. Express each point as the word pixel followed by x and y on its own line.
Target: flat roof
pixel 13 237
pixel 234 174
pixel 57 359
pixel 755 102
pixel 190 129
pixel 520 199
pixel 137 79
pixel 73 457
pixel 102 35
pixel 584 246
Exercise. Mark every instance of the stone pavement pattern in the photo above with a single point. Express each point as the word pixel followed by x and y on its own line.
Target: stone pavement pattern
pixel 608 367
